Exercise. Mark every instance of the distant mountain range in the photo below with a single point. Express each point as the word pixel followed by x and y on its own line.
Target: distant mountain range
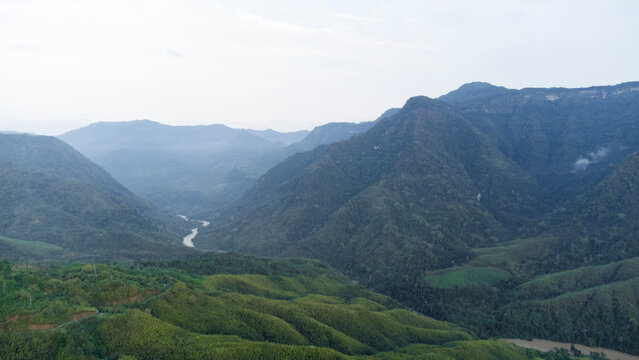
pixel 58 204
pixel 194 170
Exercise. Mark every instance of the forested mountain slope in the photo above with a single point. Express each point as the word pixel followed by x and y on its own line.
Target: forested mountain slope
pixel 52 194
pixel 415 192
pixel 575 281
pixel 601 225
pixel 567 139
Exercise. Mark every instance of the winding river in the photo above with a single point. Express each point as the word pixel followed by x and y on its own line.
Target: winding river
pixel 188 239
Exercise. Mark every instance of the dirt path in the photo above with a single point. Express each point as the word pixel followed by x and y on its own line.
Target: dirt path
pixel 546 345
pixel 74 318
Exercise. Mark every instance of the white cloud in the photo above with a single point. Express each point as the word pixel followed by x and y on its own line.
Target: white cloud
pixel 593 157
pixel 173 53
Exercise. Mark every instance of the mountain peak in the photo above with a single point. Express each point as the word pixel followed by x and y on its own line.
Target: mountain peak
pixel 477 85
pixel 419 100
pixel 472 91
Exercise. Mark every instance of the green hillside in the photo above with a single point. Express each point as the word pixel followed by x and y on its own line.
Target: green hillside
pixel 28 250
pixel 217 306
pixel 52 194
pixel 575 282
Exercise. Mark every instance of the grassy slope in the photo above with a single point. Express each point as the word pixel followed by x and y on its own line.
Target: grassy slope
pixel 28 249
pixel 311 313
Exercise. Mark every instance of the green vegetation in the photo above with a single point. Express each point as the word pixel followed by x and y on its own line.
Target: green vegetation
pixel 575 282
pixel 466 276
pixel 156 310
pixel 31 250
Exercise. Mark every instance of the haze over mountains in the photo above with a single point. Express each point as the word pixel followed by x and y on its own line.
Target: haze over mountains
pixel 194 170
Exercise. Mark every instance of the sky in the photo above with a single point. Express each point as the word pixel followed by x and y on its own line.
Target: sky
pixel 290 64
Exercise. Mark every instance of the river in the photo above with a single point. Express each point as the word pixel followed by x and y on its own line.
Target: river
pixel 546 345
pixel 188 239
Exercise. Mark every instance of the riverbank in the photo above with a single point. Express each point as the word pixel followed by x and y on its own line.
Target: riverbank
pixel 547 345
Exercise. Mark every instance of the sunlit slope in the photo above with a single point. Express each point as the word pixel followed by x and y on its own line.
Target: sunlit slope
pixel 176 310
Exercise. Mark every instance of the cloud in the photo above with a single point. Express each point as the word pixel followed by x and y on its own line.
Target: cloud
pixel 583 162
pixel 173 53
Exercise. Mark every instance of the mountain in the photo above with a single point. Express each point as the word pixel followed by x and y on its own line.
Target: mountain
pixel 509 212
pixel 193 170
pixel 336 131
pixel 55 199
pixel 567 139
pixel 602 225
pixel 327 134
pixel 570 281
pixel 415 192
pixel 286 138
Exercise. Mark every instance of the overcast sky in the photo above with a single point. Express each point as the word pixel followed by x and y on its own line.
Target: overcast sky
pixel 291 65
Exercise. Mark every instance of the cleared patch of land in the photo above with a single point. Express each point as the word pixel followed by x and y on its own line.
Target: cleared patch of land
pixel 547 345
